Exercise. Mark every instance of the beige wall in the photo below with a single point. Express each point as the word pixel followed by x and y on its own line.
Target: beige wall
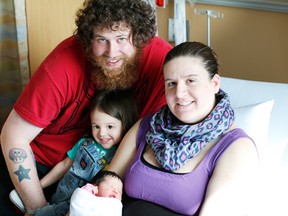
pixel 49 22
pixel 251 44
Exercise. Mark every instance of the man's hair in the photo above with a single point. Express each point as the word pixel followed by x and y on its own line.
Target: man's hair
pixel 137 15
pixel 101 175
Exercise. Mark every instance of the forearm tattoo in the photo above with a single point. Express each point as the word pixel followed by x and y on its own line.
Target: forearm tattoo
pixel 18 155
pixel 22 173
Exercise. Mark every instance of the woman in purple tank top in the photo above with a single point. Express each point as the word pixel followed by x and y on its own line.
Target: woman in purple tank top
pixel 189 158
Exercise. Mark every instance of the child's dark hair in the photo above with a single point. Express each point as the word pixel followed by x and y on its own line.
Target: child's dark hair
pixel 119 103
pixel 101 175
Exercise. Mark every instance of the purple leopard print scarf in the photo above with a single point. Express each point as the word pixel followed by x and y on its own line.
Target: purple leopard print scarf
pixel 174 143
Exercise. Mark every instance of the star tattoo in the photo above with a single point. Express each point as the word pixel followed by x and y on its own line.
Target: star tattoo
pixel 22 173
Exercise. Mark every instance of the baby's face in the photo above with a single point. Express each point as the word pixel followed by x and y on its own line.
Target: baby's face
pixel 111 187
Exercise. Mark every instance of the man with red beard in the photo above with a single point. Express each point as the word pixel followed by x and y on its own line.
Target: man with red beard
pixel 114 46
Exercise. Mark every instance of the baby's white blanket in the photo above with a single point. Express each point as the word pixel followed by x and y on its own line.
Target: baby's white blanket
pixel 84 203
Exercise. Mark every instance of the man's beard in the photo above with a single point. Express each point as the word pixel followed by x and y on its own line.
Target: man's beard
pixel 118 78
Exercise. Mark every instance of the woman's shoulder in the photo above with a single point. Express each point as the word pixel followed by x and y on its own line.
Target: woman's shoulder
pixel 234 142
pixel 241 145
pixel 236 133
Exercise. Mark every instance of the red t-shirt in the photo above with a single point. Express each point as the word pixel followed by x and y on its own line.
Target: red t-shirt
pixel 58 95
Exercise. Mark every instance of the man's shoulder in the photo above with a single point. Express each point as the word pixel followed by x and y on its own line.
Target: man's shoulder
pixel 157 43
pixel 70 49
pixel 70 42
pixel 156 50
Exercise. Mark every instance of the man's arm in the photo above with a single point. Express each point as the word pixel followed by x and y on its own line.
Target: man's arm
pixel 16 137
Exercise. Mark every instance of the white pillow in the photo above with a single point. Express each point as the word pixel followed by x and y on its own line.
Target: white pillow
pixel 254 120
